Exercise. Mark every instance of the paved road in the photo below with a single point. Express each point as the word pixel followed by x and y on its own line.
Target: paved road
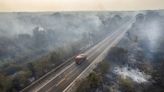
pixel 58 79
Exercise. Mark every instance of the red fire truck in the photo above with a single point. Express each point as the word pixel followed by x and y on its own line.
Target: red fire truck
pixel 80 58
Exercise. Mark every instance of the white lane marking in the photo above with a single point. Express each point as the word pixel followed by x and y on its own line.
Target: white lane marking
pixel 55 85
pixel 70 72
pixel 65 78
pixel 104 51
pixel 60 81
pixel 90 50
pixel 69 66
pixel 104 44
pixel 33 84
pixel 54 77
pixel 106 39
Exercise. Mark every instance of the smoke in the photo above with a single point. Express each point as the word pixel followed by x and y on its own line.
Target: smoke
pixel 68 25
pixel 10 25
pixel 38 33
pixel 75 22
pixel 135 74
pixel 153 33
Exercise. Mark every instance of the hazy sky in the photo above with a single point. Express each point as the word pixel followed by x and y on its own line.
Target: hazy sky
pixel 76 5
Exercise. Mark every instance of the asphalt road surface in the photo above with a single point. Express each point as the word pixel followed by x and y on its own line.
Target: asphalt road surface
pixel 58 79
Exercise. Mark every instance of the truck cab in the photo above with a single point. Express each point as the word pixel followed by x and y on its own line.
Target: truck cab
pixel 80 58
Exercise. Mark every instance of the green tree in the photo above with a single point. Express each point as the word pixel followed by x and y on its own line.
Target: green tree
pixel 90 83
pixel 126 85
pixel 94 79
pixel 103 67
pixel 5 83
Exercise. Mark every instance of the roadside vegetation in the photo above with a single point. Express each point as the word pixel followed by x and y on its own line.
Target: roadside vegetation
pixel 95 79
pixel 136 65
pixel 16 75
pixel 105 80
pixel 24 58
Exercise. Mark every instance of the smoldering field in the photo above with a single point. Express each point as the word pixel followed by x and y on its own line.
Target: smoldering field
pixel 135 64
pixel 32 44
pixel 33 34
